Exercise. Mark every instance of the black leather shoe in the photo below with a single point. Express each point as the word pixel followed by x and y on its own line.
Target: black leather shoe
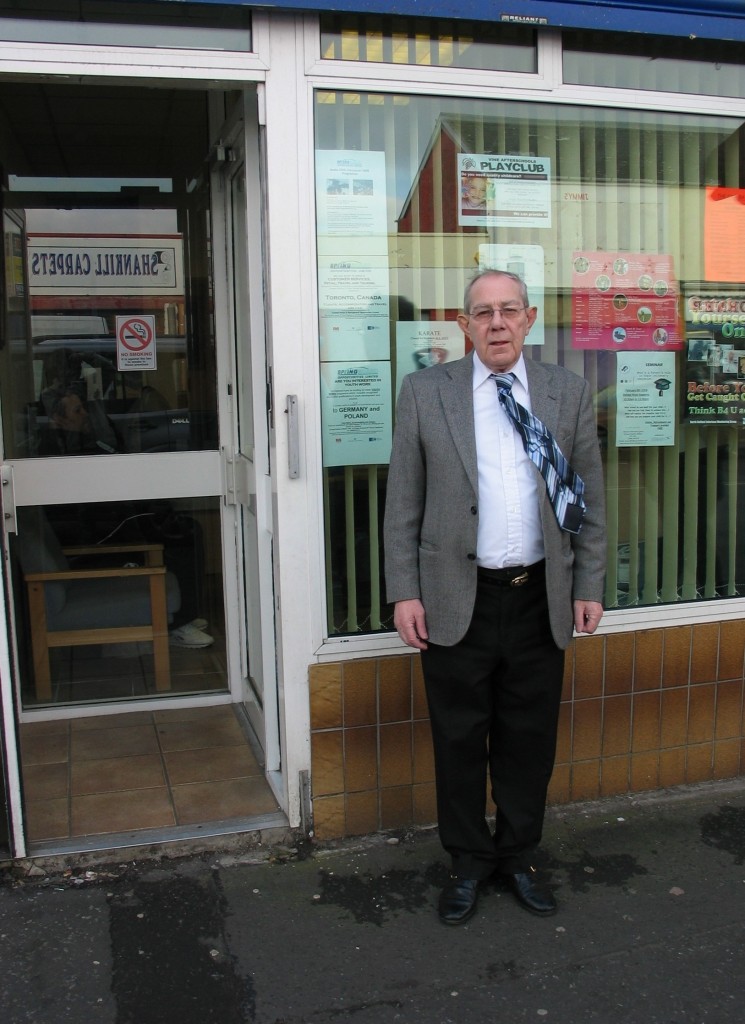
pixel 529 895
pixel 458 900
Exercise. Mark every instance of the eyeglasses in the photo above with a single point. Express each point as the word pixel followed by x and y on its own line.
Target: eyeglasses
pixel 484 314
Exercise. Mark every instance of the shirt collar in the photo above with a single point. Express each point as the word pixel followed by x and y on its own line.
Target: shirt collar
pixel 482 373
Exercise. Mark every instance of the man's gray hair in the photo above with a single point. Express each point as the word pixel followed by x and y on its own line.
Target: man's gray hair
pixel 497 273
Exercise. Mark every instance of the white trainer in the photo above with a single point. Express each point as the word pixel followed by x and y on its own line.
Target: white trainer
pixel 189 636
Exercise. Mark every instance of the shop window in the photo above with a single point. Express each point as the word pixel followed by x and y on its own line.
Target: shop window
pixel 635 61
pixel 103 23
pixel 624 225
pixel 428 42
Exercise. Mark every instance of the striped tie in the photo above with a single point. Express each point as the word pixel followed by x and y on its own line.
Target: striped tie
pixel 564 487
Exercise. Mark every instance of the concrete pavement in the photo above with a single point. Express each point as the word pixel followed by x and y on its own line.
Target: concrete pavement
pixel 650 930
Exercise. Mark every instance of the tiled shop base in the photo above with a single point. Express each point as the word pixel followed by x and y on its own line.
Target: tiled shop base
pixel 122 773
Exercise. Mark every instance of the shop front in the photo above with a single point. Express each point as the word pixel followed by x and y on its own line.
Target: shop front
pixel 227 237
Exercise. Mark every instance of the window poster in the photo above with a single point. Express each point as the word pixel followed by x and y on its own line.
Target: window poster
pixel 353 307
pixel 715 358
pixel 504 191
pixel 645 399
pixel 352 238
pixel 351 193
pixel 423 343
pixel 625 301
pixel 356 413
pixel 724 226
pixel 527 261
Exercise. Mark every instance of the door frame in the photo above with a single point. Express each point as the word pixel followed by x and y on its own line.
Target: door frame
pixel 247 485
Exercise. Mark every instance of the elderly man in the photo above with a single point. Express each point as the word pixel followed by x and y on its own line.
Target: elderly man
pixel 495 550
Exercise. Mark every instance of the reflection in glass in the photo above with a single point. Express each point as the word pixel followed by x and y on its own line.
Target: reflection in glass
pixel 119 600
pixel 631 182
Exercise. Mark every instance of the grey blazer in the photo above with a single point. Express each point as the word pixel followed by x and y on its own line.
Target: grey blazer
pixel 432 503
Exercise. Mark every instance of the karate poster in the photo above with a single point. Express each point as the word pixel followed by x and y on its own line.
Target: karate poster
pixel 625 301
pixel 423 343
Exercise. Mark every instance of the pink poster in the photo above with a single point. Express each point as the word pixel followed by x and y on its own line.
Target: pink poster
pixel 625 300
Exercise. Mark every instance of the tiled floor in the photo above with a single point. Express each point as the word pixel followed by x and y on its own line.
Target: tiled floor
pixel 143 770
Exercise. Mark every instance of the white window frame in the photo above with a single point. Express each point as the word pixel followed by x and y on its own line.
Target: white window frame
pixel 336 75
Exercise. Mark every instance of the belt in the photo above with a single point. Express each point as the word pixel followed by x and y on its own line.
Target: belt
pixel 513 575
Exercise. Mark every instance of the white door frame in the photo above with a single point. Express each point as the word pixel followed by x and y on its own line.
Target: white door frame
pixel 248 485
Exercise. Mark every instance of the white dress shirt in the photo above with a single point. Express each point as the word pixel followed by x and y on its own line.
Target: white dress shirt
pixel 509 530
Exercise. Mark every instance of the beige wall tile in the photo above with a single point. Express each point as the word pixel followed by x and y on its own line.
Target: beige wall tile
pixel 328 817
pixel 564 734
pixel 360 690
pixel 586 729
pixel 704 652
pixel 327 758
pixel 645 728
pixel 729 704
pixel 619 663
pixel 699 762
pixel 396 755
pixel 360 759
pixel 424 760
pixel 567 688
pixel 674 717
pixel 325 696
pixel 395 689
pixel 362 816
pixel 676 655
pixel 419 702
pixel 732 649
pixel 588 667
pixel 648 660
pixel 424 803
pixel 615 775
pixel 585 780
pixel 672 766
pixel 645 771
pixel 396 808
pixel 616 725
pixel 701 706
pixel 559 789
pixel 727 758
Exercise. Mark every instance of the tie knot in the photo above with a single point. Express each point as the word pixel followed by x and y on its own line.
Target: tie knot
pixel 504 380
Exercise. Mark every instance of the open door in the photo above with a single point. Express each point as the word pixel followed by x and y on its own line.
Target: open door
pixel 249 464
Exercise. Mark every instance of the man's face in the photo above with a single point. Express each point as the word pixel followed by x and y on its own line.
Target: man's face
pixel 498 339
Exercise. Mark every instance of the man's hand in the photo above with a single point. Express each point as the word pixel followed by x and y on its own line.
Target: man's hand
pixel 410 622
pixel 587 616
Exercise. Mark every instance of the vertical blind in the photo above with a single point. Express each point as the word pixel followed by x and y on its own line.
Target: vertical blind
pixel 673 509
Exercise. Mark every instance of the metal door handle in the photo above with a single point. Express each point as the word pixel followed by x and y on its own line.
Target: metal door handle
pixel 293 438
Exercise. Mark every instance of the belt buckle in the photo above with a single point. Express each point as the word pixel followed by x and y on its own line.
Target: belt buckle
pixel 518 581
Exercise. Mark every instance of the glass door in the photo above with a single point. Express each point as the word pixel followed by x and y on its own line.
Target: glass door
pixel 113 477
pixel 248 462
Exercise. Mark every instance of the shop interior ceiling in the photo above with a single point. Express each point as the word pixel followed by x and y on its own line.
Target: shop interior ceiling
pixel 101 131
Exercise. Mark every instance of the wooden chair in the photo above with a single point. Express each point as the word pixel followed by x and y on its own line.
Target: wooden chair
pixel 72 607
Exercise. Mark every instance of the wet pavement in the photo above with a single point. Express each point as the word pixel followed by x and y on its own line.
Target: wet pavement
pixel 650 928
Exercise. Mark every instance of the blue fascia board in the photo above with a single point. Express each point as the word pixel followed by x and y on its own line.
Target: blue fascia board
pixel 720 19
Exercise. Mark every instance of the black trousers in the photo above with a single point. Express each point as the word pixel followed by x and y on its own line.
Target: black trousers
pixel 494 704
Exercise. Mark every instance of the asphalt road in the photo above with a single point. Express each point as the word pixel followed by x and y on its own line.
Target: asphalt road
pixel 650 930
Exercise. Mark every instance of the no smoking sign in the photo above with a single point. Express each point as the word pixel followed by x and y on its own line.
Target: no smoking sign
pixel 135 342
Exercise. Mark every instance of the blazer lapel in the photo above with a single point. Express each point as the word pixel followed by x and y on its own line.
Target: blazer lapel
pixel 545 399
pixel 456 394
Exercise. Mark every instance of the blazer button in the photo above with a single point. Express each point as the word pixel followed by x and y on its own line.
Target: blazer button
pixel 471 558
pixel 474 510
